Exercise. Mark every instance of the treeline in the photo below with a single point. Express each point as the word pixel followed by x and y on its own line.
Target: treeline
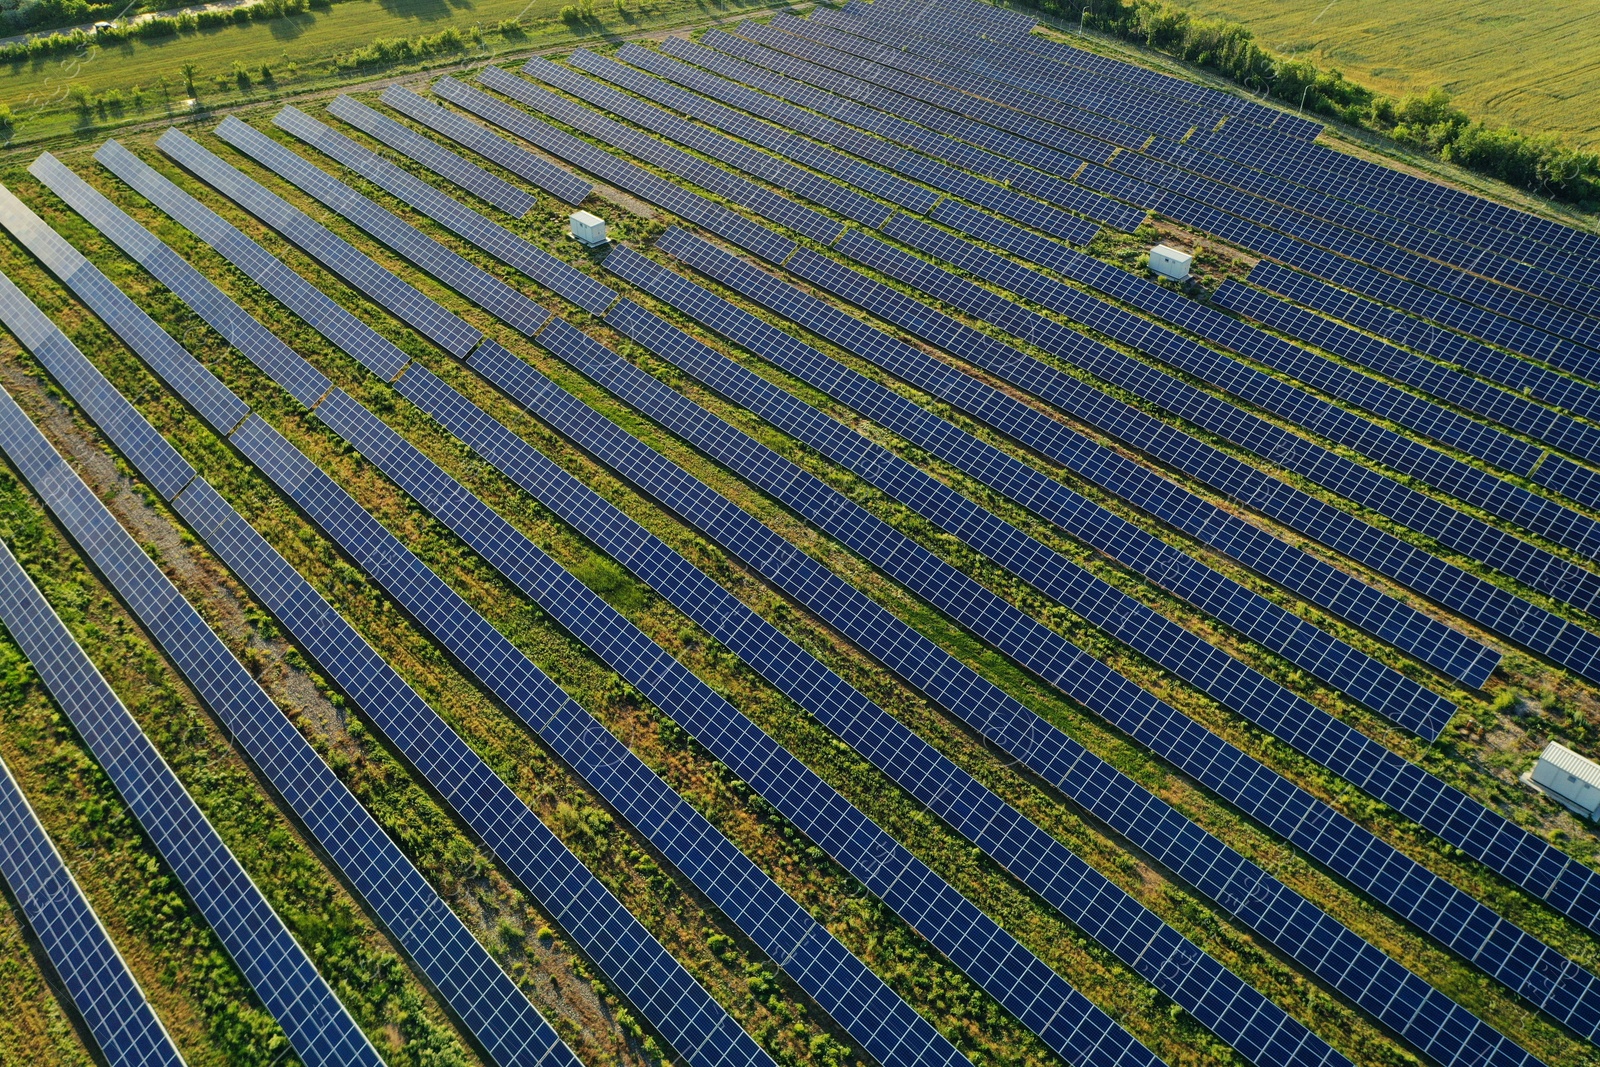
pixel 162 26
pixel 31 15
pixel 1540 163
pixel 387 51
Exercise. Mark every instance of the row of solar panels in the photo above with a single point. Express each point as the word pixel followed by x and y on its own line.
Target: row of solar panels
pixel 442 330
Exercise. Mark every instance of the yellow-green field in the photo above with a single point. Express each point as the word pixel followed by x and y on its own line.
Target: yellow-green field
pixel 36 91
pixel 1535 66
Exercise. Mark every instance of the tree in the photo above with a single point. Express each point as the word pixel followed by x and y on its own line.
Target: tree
pixel 189 71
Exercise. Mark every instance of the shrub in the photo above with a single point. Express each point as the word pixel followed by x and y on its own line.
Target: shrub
pixel 509 28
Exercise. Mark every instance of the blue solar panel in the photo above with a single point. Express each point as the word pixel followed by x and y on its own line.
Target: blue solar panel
pixel 481 994
pixel 1039 649
pixel 766 915
pixel 820 128
pixel 1422 416
pixel 317 1025
pixel 518 160
pixel 637 964
pixel 1560 879
pixel 679 163
pixel 935 138
pixel 93 974
pixel 786 176
pixel 491 188
pixel 1383 689
pixel 1451 246
pixel 446 330
pixel 459 274
pixel 1443 345
pixel 1042 863
pixel 624 175
pixel 453 215
pixel 1476 538
pixel 1503 407
pixel 1433 904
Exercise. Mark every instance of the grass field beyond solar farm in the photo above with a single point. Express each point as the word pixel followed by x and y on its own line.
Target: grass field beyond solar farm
pixel 1533 66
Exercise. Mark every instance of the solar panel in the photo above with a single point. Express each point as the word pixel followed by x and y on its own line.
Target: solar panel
pixel 679 163
pixel 1453 245
pixel 1379 687
pixel 1402 407
pixel 1448 914
pixel 1039 649
pixel 663 992
pixel 1503 407
pixel 987 952
pixel 103 991
pixel 316 1024
pixel 820 128
pixel 636 963
pixel 1471 536
pixel 841 984
pixel 491 146
pixel 623 175
pixel 446 266
pixel 796 86
pixel 333 252
pixel 1043 863
pixel 1478 831
pixel 490 188
pixel 455 216
pixel 487 1001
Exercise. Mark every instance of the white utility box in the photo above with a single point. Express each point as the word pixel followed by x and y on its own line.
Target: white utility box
pixel 1170 263
pixel 1567 777
pixel 590 229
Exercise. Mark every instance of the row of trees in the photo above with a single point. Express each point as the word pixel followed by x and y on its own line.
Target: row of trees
pixel 155 28
pixel 1540 163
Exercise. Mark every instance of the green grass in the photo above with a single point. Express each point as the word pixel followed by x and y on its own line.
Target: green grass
pixel 37 90
pixel 1531 66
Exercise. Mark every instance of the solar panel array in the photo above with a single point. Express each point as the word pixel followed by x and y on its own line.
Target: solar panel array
pixel 104 992
pixel 638 966
pixel 698 598
pixel 1418 807
pixel 488 187
pixel 891 36
pixel 1384 690
pixel 461 220
pixel 1262 436
pixel 469 979
pixel 513 157
pixel 318 1027
pixel 623 175
pixel 922 898
pixel 934 142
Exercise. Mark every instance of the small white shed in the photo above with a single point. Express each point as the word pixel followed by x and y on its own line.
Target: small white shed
pixel 590 229
pixel 1170 263
pixel 1567 777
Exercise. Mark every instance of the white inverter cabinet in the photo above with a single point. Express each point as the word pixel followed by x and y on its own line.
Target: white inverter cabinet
pixel 1170 263
pixel 1567 777
pixel 590 229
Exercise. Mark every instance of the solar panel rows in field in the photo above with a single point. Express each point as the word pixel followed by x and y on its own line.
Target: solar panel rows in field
pixel 972 941
pixel 636 963
pixel 103 991
pixel 441 946
pixel 491 146
pixel 623 175
pixel 317 1025
pixel 461 220
pixel 491 188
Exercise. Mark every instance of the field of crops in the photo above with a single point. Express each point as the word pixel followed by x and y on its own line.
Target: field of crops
pixel 1535 67
pixel 858 617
